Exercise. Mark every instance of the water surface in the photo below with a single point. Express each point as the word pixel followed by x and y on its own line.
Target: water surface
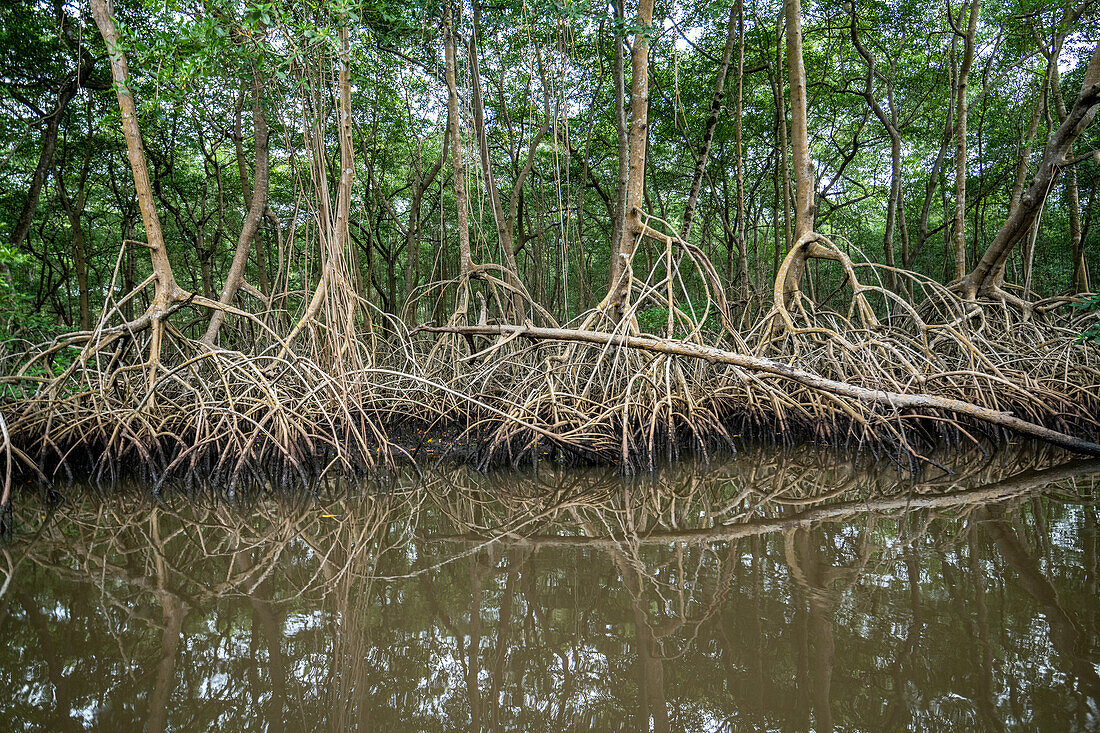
pixel 777 590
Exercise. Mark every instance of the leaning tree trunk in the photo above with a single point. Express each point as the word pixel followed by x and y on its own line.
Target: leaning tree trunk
pixel 42 169
pixel 463 217
pixel 891 401
pixel 135 151
pixel 263 280
pixel 1058 147
pixel 70 86
pixel 1026 143
pixel 1073 196
pixel 712 119
pixel 235 277
pixel 166 292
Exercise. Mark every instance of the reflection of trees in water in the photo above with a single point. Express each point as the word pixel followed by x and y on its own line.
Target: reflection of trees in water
pixel 779 589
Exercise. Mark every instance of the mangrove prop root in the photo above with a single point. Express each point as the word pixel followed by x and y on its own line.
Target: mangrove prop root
pixel 893 401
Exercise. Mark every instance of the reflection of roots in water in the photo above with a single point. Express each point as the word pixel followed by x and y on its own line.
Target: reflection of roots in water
pixel 354 532
pixel 677 542
pixel 704 519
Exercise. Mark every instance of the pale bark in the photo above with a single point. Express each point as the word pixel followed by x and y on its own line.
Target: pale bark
pixel 888 120
pixel 937 166
pixel 892 401
pixel 465 257
pixel 504 233
pixel 784 160
pixel 739 156
pixel 1049 91
pixel 335 288
pixel 259 245
pixel 619 296
pixel 1080 280
pixel 959 231
pixel 800 146
pixel 1021 177
pixel 347 150
pixel 166 290
pixel 622 134
pixel 505 221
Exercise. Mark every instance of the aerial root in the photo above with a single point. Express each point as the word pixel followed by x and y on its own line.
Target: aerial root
pixel 862 366
pixel 879 371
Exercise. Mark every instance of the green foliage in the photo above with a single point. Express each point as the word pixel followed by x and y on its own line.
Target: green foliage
pixel 1091 304
pixel 17 312
pixel 655 320
pixel 191 67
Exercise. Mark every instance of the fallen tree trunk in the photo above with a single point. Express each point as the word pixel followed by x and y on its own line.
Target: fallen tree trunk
pixel 892 400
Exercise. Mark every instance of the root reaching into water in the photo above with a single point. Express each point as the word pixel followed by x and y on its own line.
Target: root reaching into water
pixel 884 371
pixel 618 384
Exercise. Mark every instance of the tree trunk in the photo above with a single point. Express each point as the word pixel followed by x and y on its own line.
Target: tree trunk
pixel 739 155
pixel 259 243
pixel 712 117
pixel 412 235
pixel 1077 248
pixel 465 261
pixel 800 144
pixel 166 289
pixel 937 166
pixel 74 210
pixel 503 233
pixel 1022 168
pixel 251 227
pixel 1054 158
pixel 959 237
pixel 888 123
pixel 619 296
pixel 783 161
pixel 622 137
pixel 1080 281
pixel 45 162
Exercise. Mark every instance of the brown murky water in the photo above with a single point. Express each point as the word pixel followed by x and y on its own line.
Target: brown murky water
pixel 775 590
